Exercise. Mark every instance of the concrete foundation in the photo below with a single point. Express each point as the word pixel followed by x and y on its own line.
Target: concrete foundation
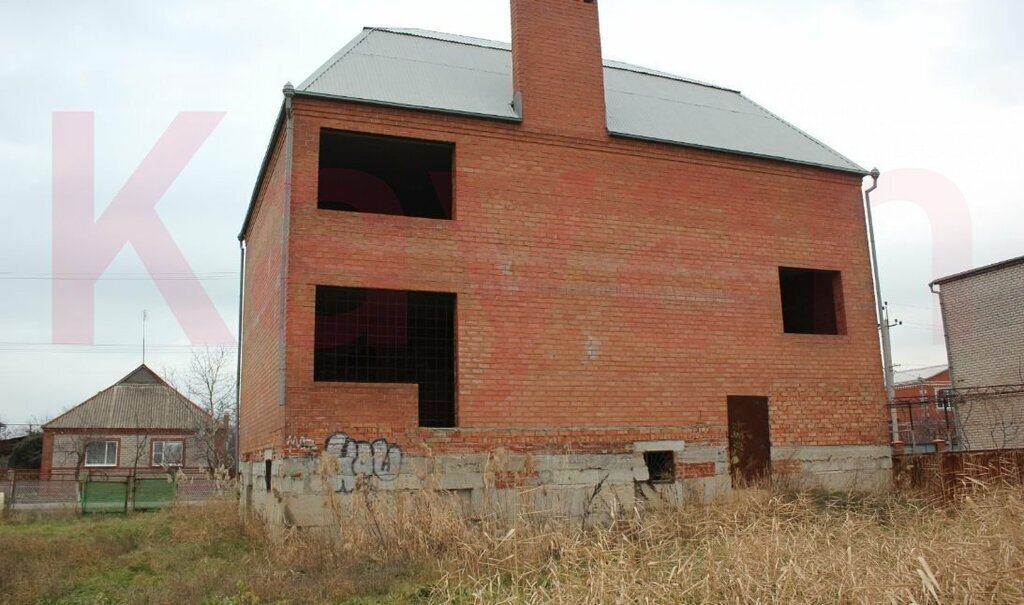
pixel 314 490
pixel 836 467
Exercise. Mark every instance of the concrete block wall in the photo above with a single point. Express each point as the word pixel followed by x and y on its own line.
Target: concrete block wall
pixel 983 318
pixel 312 490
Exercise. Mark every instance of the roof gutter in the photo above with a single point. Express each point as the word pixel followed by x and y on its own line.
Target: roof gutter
pixel 883 320
pixel 289 142
pixel 238 355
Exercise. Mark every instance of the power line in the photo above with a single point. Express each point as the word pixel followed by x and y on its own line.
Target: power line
pixel 103 348
pixel 39 276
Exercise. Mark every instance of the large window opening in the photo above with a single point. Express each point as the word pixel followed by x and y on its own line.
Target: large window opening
pixel 811 301
pixel 385 175
pixel 389 336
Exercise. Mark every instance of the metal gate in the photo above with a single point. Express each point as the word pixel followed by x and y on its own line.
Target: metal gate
pixel 107 496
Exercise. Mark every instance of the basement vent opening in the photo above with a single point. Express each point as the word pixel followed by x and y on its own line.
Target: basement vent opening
pixel 389 336
pixel 268 466
pixel 385 175
pixel 661 466
pixel 811 301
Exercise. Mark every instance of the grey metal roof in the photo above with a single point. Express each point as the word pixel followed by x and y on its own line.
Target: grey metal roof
pixel 139 400
pixel 979 270
pixel 457 74
pixel 917 375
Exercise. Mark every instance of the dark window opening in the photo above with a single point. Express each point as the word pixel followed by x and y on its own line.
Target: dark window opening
pixel 389 336
pixel 811 301
pixel 661 466
pixel 268 466
pixel 385 175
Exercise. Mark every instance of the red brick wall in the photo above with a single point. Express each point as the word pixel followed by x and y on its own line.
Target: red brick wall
pixel 46 463
pixel 260 414
pixel 602 282
pixel 557 68
pixel 929 388
pixel 918 407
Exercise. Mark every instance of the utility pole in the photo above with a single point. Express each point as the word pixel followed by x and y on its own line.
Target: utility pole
pixel 883 311
pixel 885 325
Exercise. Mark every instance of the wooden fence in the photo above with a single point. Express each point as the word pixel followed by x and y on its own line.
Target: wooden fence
pixel 954 473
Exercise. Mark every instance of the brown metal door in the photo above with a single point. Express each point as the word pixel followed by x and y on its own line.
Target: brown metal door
pixel 750 449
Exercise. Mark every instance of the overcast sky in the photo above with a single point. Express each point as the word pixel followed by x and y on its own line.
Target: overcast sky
pixel 928 85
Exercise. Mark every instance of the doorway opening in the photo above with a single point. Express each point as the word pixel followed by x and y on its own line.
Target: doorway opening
pixel 750 448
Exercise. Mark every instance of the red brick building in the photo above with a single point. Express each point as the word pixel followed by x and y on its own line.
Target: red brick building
pixel 924 413
pixel 533 268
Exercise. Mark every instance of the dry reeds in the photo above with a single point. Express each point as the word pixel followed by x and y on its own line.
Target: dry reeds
pixel 762 546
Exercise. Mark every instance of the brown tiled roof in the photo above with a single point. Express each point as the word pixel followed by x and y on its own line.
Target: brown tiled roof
pixel 139 400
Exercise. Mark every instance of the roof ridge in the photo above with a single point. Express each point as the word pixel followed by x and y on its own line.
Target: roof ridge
pixel 504 46
pixel 338 56
pixel 647 71
pixel 445 37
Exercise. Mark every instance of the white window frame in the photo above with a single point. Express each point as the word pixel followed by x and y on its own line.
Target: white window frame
pixel 163 443
pixel 106 451
pixel 939 404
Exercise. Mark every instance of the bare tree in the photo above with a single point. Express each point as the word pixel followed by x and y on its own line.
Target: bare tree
pixel 209 382
pixel 71 446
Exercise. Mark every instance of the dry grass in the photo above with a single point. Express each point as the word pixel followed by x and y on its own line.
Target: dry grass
pixel 761 547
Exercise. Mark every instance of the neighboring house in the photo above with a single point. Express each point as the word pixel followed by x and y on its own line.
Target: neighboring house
pixel 524 267
pixel 923 409
pixel 139 423
pixel 921 383
pixel 983 316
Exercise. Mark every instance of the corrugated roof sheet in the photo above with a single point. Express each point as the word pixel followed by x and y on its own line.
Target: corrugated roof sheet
pixel 915 375
pixel 458 74
pixel 979 270
pixel 139 400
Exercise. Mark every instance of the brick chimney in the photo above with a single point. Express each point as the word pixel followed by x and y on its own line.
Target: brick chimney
pixel 557 74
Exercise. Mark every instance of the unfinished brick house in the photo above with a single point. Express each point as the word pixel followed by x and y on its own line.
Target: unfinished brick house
pixel 983 319
pixel 516 272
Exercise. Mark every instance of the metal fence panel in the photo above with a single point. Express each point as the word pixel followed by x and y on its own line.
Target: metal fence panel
pixel 105 497
pixel 152 494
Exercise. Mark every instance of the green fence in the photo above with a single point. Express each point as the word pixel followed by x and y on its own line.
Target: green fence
pixel 153 493
pixel 107 491
pixel 117 495
pixel 104 496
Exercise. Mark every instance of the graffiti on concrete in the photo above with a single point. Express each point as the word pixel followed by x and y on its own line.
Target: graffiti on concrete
pixel 361 460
